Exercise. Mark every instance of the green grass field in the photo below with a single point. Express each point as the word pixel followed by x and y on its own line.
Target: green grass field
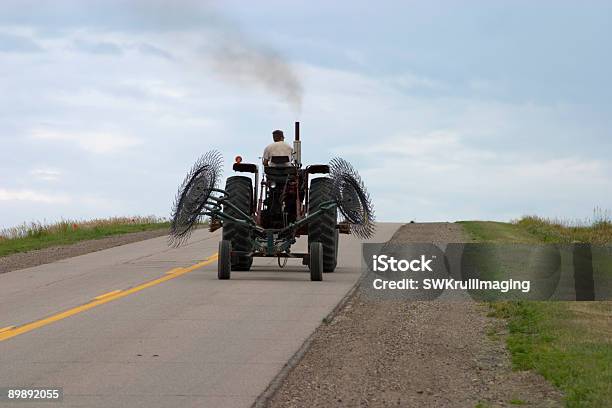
pixel 569 343
pixel 28 237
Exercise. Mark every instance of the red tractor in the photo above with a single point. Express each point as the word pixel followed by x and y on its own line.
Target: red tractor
pixel 265 219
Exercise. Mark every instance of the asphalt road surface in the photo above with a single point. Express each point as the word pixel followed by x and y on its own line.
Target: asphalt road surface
pixel 144 325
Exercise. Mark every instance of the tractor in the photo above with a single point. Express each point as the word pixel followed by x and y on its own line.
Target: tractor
pixel 265 218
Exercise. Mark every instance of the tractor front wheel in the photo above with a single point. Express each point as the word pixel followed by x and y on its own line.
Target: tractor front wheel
pixel 316 261
pixel 224 262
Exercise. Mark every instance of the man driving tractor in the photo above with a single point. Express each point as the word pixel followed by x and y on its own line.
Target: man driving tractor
pixel 278 148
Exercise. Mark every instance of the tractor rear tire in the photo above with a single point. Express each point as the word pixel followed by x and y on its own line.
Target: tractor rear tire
pixel 323 227
pixel 240 194
pixel 224 261
pixel 316 261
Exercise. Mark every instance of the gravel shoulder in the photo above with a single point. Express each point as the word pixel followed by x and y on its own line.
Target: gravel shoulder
pixel 47 255
pixel 378 353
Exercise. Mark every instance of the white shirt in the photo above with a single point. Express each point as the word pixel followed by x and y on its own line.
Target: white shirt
pixel 277 149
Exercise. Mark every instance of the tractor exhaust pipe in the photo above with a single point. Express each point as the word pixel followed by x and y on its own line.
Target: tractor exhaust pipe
pixel 297 146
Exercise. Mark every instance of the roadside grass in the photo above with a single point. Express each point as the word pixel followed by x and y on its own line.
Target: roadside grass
pixel 568 343
pixel 36 235
pixel 534 229
pixel 570 350
pixel 490 231
pixel 599 232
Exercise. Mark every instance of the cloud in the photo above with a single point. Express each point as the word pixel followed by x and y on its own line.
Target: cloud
pixel 481 85
pixel 46 174
pixel 149 49
pixel 18 44
pixel 100 47
pixel 33 196
pixel 442 145
pixel 409 80
pixel 445 176
pixel 450 157
pixel 94 142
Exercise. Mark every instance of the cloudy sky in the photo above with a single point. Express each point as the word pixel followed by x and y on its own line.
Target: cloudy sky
pixel 450 110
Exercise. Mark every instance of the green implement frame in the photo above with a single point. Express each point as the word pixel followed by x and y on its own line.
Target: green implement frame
pixel 267 242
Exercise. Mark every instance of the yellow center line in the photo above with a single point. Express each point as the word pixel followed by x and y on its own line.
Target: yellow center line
pixel 107 294
pixel 11 331
pixel 175 270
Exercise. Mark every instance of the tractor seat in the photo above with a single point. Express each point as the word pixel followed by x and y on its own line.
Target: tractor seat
pixel 282 169
pixel 280 161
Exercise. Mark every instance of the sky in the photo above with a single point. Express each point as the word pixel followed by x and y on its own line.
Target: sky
pixel 450 110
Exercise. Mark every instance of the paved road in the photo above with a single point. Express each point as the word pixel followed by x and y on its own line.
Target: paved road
pixel 115 329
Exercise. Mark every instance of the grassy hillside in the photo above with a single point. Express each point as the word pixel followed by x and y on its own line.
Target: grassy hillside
pixel 27 237
pixel 569 343
pixel 598 232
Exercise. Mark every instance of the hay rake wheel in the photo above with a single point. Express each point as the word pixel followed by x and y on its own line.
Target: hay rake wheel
pixel 193 195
